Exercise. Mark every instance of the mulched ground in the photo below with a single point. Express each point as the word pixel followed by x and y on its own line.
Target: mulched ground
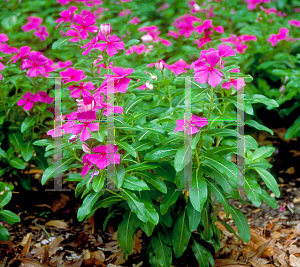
pixel 50 235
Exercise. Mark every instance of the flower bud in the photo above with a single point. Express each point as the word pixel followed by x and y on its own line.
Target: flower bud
pixel 72 139
pixel 147 38
pixel 196 7
pixel 159 65
pixel 149 86
pixel 105 29
pixel 282 88
pixel 86 148
pixel 153 77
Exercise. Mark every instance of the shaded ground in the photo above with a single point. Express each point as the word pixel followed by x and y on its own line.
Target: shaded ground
pixel 53 214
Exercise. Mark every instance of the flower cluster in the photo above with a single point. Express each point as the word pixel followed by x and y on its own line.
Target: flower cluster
pixel 239 41
pixel 34 23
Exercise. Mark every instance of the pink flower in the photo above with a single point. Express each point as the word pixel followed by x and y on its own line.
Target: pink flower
pixel 202 41
pixel 73 33
pixel 87 165
pixel 237 83
pixel 72 75
pixel 28 100
pixel 269 11
pixel 147 85
pixel 1 68
pixel 139 49
pixel 184 24
pixel 111 45
pixel 107 155
pixel 85 25
pixel 135 21
pixel 253 3
pixel 66 16
pixel 105 29
pixel 62 65
pixel 274 38
pixel 109 108
pixel 6 49
pixel 3 38
pixel 93 44
pixel 36 63
pixel 64 2
pixel 205 73
pixel 207 24
pixel 125 13
pixel 163 7
pixel 82 88
pixel 194 121
pixel 33 24
pixel 177 70
pixel 120 80
pixel 44 97
pixel 294 22
pixel 24 50
pixel 181 64
pixel 238 41
pixel 86 118
pixel 42 33
pixel 174 34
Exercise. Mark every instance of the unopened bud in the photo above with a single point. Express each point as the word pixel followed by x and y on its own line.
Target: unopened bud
pixel 149 86
pixel 196 7
pixel 159 65
pixel 72 139
pixel 282 88
pixel 105 28
pixel 147 38
pixel 86 148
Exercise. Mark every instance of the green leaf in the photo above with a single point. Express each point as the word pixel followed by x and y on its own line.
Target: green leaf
pixel 75 177
pixel 161 152
pixel 182 158
pixel 198 194
pixel 43 142
pixel 49 172
pixel 261 99
pixel 135 204
pixel 163 253
pixel 147 228
pixel 9 217
pixel 262 152
pixel 253 190
pixel 60 42
pixel 5 198
pixel 220 164
pixel 126 230
pixel 142 145
pixel 142 166
pixel 241 224
pixel 98 182
pixel 169 199
pixel 16 139
pixel 201 254
pixel 150 210
pixel 2 171
pixel 154 180
pixel 293 131
pixel 207 233
pixel 27 151
pixel 269 180
pixel 17 163
pixel 181 234
pixel 4 234
pixel 132 42
pixel 258 126
pixel 88 203
pixel 120 174
pixel 134 183
pixel 222 132
pixel 264 164
pixel 127 147
pixel 250 142
pixel 166 171
pixel 28 122
pixel 3 153
pixel 194 217
pixel 269 200
pixel 281 3
pixel 219 195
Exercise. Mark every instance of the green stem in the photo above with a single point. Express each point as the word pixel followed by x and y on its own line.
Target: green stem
pixel 74 154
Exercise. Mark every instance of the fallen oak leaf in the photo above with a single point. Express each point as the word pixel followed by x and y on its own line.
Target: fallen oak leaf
pixel 58 224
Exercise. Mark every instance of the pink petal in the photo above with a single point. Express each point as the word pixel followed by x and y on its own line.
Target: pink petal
pixel 214 79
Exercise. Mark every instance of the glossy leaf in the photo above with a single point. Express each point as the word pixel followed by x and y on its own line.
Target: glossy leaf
pixel 241 224
pixel 163 253
pixel 198 194
pixel 269 180
pixel 133 183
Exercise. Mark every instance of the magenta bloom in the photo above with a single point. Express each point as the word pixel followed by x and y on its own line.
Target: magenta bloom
pixel 33 24
pixel 294 22
pixel 6 49
pixel 274 38
pixel 28 100
pixel 66 16
pixel 125 13
pixel 62 65
pixel 173 34
pixel 91 45
pixel 120 80
pixel 35 62
pixel 3 38
pixel 237 84
pixel 83 88
pixel 204 73
pixel 111 44
pixel 181 64
pixel 108 108
pixel 194 121
pixel 107 155
pixel 135 21
pixel 207 24
pixel 85 25
pixel 24 50
pixel 73 33
pixel 87 165
pixel 253 3
pixel 44 97
pixel 42 33
pixel 72 75
pixel 177 70
pixel 139 49
pixel 86 118
pixel 1 68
